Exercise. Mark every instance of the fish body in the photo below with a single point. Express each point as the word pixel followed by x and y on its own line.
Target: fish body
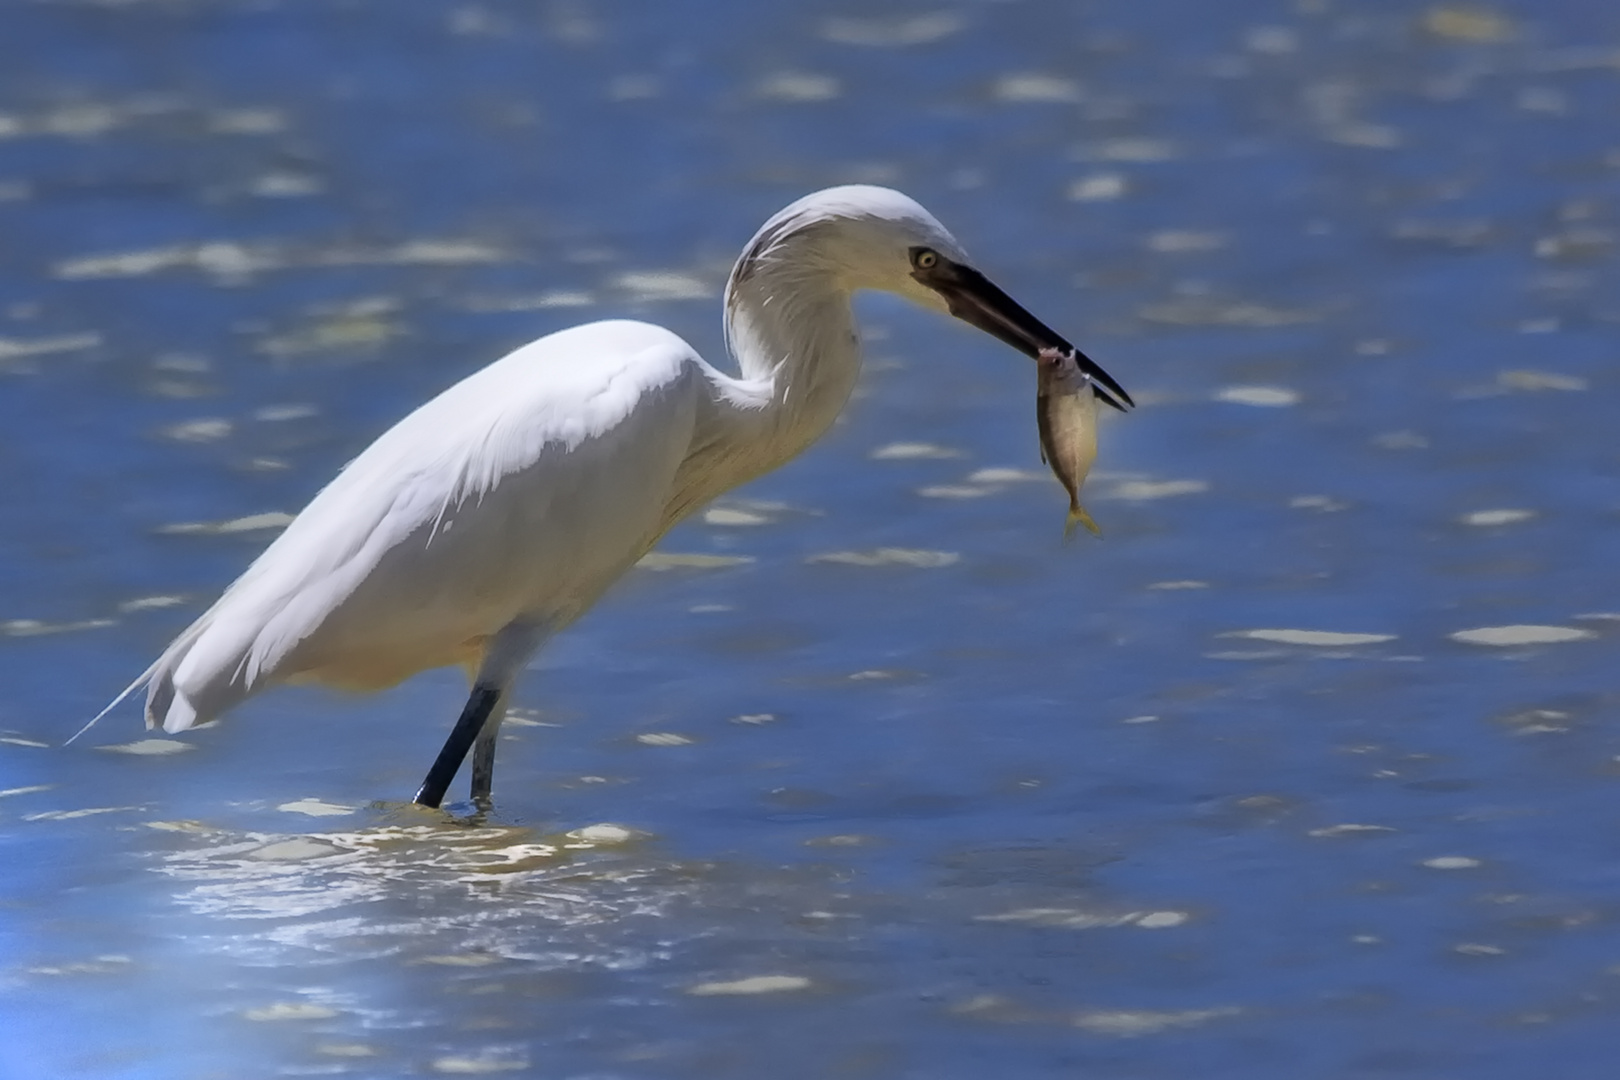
pixel 1066 417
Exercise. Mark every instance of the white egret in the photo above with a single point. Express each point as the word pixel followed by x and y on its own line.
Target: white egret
pixel 498 512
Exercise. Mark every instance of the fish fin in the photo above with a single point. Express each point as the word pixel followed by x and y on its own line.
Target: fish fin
pixel 1078 516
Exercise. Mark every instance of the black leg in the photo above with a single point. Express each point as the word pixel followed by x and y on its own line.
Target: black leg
pixel 480 704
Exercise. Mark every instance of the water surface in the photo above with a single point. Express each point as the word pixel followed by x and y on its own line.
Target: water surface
pixel 1308 769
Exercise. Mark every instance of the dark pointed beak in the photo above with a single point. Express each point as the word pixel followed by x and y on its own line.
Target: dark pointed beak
pixel 975 299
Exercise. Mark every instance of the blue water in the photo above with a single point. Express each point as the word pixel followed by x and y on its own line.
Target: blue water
pixel 990 806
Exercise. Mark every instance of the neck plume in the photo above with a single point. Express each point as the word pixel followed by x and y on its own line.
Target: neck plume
pixel 790 325
pixel 793 337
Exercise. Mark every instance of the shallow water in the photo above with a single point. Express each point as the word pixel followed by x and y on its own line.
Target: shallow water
pixel 1308 769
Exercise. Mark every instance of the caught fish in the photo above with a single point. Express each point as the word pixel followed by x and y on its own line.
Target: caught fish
pixel 1066 416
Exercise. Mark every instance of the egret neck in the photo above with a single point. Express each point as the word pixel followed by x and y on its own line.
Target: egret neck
pixel 792 333
pixel 794 326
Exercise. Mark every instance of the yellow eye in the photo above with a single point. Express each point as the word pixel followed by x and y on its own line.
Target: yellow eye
pixel 924 259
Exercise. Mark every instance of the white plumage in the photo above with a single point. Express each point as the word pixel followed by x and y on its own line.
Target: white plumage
pixel 500 510
pixel 446 528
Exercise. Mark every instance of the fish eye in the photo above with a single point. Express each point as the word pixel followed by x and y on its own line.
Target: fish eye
pixel 924 258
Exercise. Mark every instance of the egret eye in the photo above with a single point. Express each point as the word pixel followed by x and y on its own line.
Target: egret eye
pixel 924 258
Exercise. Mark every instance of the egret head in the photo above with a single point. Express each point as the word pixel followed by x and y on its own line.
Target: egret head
pixel 864 237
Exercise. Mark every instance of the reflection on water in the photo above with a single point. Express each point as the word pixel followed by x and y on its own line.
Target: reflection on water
pixel 1307 769
pixel 266 875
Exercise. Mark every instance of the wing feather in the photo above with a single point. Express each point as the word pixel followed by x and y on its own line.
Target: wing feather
pixel 528 485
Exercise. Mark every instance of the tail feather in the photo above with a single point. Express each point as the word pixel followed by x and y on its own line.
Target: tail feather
pixel 146 677
pixel 160 695
pixel 178 715
pixel 159 683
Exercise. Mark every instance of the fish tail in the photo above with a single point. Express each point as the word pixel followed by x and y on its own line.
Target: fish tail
pixel 1078 516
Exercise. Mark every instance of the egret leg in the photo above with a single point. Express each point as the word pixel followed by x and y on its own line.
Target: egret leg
pixel 508 651
pixel 480 703
pixel 483 769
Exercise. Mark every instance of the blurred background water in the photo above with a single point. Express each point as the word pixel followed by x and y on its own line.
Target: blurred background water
pixel 1308 769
